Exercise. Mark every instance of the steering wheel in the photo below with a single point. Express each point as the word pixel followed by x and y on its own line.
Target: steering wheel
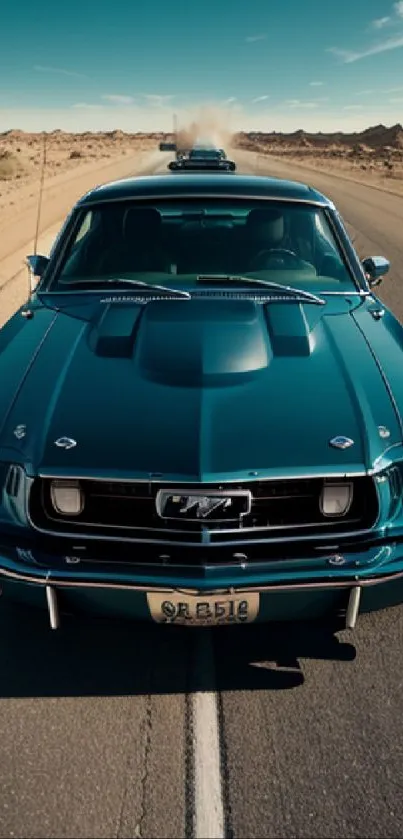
pixel 287 257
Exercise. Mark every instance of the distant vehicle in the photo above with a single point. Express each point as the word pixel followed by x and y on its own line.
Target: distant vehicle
pixel 167 146
pixel 201 158
pixel 201 411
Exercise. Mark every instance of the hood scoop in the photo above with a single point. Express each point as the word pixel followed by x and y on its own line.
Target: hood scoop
pixel 289 330
pixel 113 335
pixel 202 342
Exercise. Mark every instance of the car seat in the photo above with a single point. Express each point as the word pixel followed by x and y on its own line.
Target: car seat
pixel 140 247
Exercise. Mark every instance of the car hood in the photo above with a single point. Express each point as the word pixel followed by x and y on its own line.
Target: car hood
pixel 195 390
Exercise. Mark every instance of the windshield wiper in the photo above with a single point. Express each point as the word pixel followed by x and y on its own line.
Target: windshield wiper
pixel 297 292
pixel 175 292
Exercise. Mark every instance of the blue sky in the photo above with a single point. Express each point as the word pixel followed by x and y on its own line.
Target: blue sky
pixel 262 64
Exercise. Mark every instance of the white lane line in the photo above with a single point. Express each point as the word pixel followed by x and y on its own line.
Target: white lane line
pixel 209 821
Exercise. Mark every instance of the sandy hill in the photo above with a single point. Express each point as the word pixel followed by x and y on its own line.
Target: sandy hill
pixel 374 137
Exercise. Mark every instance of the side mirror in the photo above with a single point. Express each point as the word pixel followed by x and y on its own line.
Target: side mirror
pixel 375 268
pixel 173 165
pixel 37 265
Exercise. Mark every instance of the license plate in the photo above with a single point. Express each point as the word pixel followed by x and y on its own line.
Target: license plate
pixel 196 610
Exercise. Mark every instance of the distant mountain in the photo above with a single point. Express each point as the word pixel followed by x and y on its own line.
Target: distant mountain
pixel 375 137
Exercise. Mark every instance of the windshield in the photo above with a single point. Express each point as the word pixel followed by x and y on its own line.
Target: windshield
pixel 205 153
pixel 173 242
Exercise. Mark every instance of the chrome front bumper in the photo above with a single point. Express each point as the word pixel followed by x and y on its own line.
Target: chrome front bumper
pixel 291 600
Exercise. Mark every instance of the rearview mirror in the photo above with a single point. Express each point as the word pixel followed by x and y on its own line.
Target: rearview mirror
pixel 375 268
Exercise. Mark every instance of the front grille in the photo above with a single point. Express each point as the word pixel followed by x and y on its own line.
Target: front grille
pixel 277 508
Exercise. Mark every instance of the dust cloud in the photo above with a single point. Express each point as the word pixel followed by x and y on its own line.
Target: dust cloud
pixel 207 125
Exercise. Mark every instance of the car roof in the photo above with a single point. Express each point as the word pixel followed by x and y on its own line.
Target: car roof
pixel 220 184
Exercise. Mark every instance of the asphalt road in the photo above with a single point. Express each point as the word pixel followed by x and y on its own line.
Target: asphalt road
pixel 277 731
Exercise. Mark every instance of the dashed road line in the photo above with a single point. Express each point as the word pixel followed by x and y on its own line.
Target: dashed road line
pixel 208 817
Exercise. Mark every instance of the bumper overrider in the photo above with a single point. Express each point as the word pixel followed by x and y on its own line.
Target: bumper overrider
pixel 360 581
pixel 206 584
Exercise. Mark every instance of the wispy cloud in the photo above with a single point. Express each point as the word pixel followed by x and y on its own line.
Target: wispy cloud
pixel 347 57
pixel 387 20
pixel 118 99
pixel 150 100
pixel 40 68
pixel 388 90
pixel 391 43
pixel 380 22
pixel 315 84
pixel 157 100
pixel 260 99
pixel 87 106
pixel 230 100
pixel 353 107
pixel 299 103
pixel 398 100
pixel 251 39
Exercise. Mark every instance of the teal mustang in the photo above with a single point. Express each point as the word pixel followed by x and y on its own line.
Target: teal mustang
pixel 201 411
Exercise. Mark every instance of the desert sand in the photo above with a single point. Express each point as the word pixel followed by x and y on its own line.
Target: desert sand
pixel 373 156
pixel 75 163
pixel 22 155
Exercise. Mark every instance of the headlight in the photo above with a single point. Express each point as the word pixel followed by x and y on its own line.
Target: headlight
pixel 335 499
pixel 67 497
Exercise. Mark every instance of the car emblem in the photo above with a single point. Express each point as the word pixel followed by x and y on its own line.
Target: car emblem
pixel 341 442
pixel 203 506
pixel 25 554
pixel 20 431
pixel 337 559
pixel 65 443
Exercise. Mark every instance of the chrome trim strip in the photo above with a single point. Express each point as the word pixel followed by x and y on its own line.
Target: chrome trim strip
pixel 179 196
pixel 104 537
pixel 206 484
pixel 165 531
pixel 345 293
pixel 329 213
pixel 49 579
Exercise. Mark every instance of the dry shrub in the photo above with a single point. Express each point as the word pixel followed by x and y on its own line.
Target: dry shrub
pixel 10 165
